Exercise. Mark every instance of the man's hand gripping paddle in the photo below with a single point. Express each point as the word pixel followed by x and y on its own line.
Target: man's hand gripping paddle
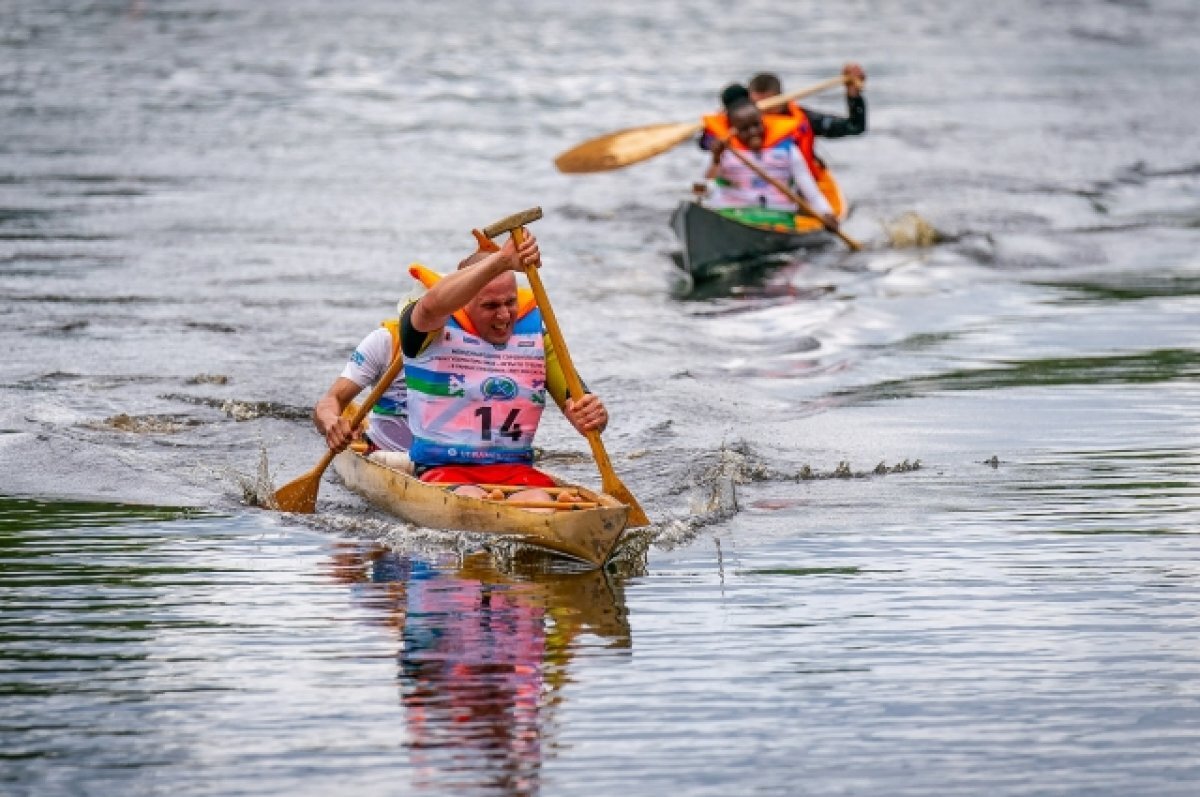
pixel 300 495
pixel 610 484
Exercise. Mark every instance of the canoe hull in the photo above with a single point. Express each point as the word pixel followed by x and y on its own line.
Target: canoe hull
pixel 589 535
pixel 710 239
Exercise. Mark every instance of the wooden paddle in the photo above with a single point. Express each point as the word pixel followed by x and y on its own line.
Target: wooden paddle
pixel 560 506
pixel 854 245
pixel 300 495
pixel 634 144
pixel 608 478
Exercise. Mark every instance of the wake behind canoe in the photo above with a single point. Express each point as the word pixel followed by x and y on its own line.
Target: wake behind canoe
pixel 588 534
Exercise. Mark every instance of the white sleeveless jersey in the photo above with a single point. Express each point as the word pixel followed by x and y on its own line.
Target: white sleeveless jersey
pixel 387 424
pixel 740 187
pixel 474 402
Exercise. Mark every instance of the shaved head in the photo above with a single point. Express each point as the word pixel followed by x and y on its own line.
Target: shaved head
pixel 493 311
pixel 472 259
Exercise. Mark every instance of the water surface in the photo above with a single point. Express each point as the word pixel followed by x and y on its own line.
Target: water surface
pixel 923 516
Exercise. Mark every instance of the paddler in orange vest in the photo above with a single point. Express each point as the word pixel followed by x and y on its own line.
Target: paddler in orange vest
pixel 812 123
pixel 478 367
pixel 479 380
pixel 773 143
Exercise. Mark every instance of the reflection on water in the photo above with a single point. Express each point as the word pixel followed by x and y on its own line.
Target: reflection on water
pixel 1121 491
pixel 484 656
pixel 230 188
pixel 80 591
pixel 18 514
pixel 135 640
pixel 1166 365
pixel 1128 287
pixel 756 283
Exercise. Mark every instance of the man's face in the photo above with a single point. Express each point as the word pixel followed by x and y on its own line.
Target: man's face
pixel 747 123
pixel 493 311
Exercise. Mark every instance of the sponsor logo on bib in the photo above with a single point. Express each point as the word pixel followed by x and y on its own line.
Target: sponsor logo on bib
pixel 499 387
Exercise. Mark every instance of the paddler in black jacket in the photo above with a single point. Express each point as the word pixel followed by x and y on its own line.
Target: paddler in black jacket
pixel 765 85
pixel 813 123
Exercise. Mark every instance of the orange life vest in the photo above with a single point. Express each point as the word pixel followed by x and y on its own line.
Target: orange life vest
pixel 804 136
pixel 776 128
pixel 428 277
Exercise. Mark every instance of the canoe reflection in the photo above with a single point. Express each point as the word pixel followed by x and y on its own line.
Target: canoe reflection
pixel 485 655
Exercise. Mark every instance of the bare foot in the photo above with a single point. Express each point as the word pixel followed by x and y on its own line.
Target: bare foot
pixel 532 494
pixel 471 491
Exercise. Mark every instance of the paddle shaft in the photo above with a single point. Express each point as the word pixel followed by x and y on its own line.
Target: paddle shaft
pixel 636 144
pixel 558 505
pixel 389 376
pixel 574 383
pixel 779 100
pixel 789 193
pixel 608 477
pixel 511 488
pixel 771 103
pixel 300 494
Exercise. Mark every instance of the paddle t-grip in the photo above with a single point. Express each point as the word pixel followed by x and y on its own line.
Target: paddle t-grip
pixel 514 222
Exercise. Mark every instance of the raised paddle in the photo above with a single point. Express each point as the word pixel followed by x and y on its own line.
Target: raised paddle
pixel 792 195
pixel 608 478
pixel 634 144
pixel 300 495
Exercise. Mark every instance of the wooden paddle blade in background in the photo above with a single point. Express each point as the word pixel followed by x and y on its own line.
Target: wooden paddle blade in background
pixel 614 150
pixel 634 144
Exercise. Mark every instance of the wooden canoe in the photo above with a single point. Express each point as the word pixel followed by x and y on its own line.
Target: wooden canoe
pixel 709 239
pixel 589 535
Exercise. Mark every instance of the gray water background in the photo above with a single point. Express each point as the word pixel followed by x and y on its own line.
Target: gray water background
pixel 204 205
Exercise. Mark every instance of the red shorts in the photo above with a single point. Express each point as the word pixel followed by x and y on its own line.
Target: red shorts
pixel 501 473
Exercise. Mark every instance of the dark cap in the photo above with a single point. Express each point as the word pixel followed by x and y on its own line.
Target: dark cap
pixel 734 95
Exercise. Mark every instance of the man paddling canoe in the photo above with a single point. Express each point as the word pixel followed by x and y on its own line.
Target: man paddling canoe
pixel 740 192
pixel 765 85
pixel 388 419
pixel 811 124
pixel 477 370
pixel 478 366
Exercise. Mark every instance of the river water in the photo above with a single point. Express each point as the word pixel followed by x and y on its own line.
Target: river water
pixel 924 516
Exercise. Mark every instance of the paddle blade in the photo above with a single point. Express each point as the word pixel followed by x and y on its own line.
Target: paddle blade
pixel 613 486
pixel 299 495
pixel 614 150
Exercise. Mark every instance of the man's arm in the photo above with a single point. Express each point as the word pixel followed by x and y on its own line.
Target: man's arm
pixel 808 188
pixel 453 291
pixel 856 123
pixel 586 413
pixel 412 340
pixel 366 365
pixel 717 148
pixel 327 414
pixel 836 126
